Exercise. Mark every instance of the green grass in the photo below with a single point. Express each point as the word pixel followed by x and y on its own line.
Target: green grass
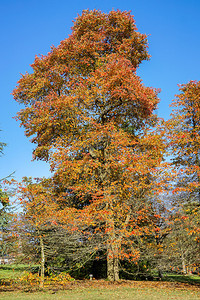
pixel 128 293
pixel 173 287
pixel 14 271
pixel 11 271
pixel 191 279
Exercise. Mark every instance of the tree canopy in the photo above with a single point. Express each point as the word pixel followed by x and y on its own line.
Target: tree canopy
pixel 184 132
pixel 93 120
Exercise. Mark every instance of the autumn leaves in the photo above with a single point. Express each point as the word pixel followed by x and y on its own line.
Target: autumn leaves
pixel 92 119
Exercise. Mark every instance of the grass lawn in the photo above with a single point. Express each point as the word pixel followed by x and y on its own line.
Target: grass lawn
pixel 192 279
pixel 12 271
pixel 174 287
pixel 101 293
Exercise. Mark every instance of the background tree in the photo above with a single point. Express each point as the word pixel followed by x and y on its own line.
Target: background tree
pixel 184 136
pixel 2 145
pixel 44 234
pixel 90 116
pixel 182 244
pixel 7 237
pixel 36 220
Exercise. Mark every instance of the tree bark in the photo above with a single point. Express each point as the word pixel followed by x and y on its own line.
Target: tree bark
pixel 160 275
pixel 112 248
pixel 116 264
pixel 42 263
pixel 183 263
pixel 112 263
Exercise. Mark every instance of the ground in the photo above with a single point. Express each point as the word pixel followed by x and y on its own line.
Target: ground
pixel 102 290
pixel 176 287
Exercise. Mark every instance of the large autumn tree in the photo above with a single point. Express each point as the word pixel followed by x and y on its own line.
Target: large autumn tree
pixel 90 116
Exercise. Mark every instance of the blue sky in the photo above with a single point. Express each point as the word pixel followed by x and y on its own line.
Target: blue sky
pixel 30 27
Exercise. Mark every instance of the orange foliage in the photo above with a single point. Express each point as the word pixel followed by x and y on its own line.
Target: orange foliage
pixel 90 116
pixel 184 137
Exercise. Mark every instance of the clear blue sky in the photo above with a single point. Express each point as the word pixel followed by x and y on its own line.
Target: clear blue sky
pixel 30 27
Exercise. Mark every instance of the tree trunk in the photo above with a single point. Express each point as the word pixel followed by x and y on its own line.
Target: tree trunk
pixel 189 271
pixel 112 263
pixel 116 267
pixel 112 249
pixel 160 274
pixel 183 263
pixel 42 262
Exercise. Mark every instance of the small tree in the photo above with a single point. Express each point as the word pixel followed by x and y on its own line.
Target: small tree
pixel 37 218
pixel 7 239
pixel 44 232
pixel 7 236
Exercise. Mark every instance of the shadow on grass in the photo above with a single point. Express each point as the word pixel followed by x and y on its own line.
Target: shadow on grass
pixel 19 267
pixel 191 279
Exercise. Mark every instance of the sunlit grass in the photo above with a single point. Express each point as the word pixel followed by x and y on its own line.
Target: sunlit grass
pixel 106 293
pixel 14 271
pixel 173 287
pixel 11 271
